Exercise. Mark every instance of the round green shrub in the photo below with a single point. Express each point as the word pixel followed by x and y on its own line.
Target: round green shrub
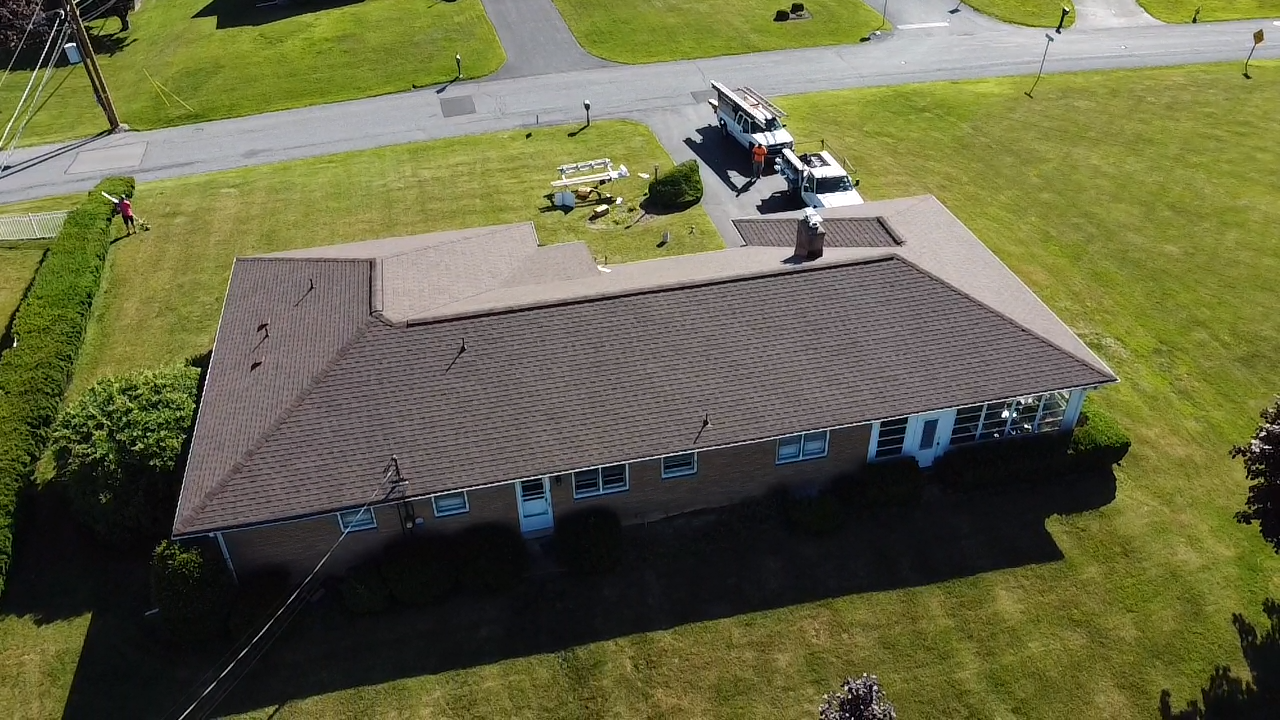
pixel 1098 440
pixel 119 447
pixel 363 590
pixel 419 571
pixel 678 188
pixel 888 483
pixel 191 590
pixel 491 558
pixel 817 515
pixel 590 541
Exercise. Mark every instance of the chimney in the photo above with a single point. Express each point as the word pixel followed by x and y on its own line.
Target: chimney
pixel 810 236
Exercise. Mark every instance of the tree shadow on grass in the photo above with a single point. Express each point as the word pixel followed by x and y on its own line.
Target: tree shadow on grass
pixel 250 13
pixel 697 567
pixel 1227 696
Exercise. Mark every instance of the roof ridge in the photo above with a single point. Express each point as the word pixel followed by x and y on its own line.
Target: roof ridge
pixel 1002 316
pixel 270 430
pixel 663 287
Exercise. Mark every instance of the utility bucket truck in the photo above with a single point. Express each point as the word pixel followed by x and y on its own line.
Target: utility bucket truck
pixel 749 118
pixel 817 179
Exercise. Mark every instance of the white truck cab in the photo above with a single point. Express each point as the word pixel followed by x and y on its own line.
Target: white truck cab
pixel 749 118
pixel 817 179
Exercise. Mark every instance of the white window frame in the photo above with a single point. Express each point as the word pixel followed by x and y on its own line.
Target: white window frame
pixel 466 504
pixel 680 473
pixel 803 455
pixel 355 520
pixel 600 489
pixel 873 450
pixel 1004 427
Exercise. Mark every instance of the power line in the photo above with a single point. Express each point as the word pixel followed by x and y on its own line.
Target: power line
pixel 221 676
pixel 31 23
pixel 23 99
pixel 32 107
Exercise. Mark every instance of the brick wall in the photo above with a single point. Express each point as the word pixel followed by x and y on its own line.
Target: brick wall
pixel 724 476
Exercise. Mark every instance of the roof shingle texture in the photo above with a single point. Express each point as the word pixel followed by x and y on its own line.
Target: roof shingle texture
pixel 841 232
pixel 587 368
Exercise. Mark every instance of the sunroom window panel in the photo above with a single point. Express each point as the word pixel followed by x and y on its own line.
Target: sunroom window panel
pixel 891 436
pixel 1052 411
pixel 996 420
pixel 966 425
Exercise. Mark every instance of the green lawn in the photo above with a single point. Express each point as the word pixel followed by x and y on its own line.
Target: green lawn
pixel 18 263
pixel 1036 13
pixel 262 60
pixel 1181 11
pixel 1156 240
pixel 162 291
pixel 644 31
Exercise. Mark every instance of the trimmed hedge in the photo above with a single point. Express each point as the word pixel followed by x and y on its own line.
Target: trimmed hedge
pixel 47 329
pixel 191 590
pixel 1012 461
pixel 680 187
pixel 1098 441
pixel 889 483
pixel 420 571
pixel 589 542
pixel 816 515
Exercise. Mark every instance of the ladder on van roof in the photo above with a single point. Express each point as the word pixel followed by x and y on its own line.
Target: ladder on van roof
pixel 762 101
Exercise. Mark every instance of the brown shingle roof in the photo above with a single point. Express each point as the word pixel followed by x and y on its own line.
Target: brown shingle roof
pixel 590 368
pixel 855 232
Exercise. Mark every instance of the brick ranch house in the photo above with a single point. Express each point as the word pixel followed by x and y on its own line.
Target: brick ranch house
pixel 416 384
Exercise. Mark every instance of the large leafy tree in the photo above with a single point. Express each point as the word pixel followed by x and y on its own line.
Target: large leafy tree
pixel 857 699
pixel 119 449
pixel 1261 457
pixel 15 16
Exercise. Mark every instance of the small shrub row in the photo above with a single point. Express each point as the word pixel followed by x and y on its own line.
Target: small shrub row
pixel 889 483
pixel 1012 461
pixel 589 542
pixel 47 331
pixel 198 601
pixel 488 558
pixel 1098 441
pixel 678 188
pixel 817 514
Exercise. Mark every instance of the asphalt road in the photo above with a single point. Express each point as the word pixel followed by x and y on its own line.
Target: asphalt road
pixel 907 56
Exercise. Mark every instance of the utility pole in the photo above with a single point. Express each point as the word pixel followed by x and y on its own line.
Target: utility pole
pixel 90 61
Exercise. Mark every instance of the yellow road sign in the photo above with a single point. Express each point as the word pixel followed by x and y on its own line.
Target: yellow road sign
pixel 1258 37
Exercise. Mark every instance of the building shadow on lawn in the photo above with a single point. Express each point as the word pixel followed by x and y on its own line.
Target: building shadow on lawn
pixel 251 13
pixel 702 566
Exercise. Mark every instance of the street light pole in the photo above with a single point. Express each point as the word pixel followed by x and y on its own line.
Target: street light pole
pixel 90 61
pixel 1065 12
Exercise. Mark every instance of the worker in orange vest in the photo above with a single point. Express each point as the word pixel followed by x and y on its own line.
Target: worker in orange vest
pixel 758 154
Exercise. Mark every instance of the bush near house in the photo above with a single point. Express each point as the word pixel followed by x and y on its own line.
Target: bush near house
pixel 678 188
pixel 364 592
pixel 589 541
pixel 118 449
pixel 818 514
pixel 890 483
pixel 191 590
pixel 257 597
pixel 491 558
pixel 420 571
pixel 1098 441
pixel 47 329
pixel 990 465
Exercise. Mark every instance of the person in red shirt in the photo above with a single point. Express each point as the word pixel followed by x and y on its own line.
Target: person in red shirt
pixel 126 214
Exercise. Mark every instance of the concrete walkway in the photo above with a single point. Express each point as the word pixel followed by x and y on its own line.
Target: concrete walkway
pixel 536 39
pixel 935 17
pixel 1111 14
pixel 623 91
